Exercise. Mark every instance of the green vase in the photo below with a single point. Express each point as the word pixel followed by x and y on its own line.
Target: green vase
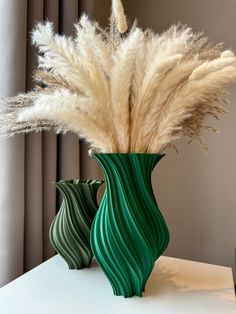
pixel 129 232
pixel 70 230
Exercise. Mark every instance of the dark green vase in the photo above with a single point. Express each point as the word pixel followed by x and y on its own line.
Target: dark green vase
pixel 129 232
pixel 70 230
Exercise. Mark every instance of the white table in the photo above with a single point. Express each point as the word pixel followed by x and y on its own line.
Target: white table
pixel 175 286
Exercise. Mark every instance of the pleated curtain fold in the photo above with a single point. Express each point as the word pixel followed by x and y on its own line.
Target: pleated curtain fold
pixel 29 164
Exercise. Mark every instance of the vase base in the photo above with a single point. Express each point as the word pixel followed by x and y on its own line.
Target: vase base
pixel 130 295
pixel 77 266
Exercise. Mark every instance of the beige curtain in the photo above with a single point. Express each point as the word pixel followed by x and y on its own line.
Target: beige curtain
pixel 30 163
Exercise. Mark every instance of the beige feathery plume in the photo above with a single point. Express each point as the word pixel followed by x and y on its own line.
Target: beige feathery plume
pixel 51 80
pixel 91 66
pixel 227 53
pixel 124 93
pixel 97 61
pixel 60 56
pixel 119 15
pixel 212 66
pixel 120 84
pixel 148 91
pixel 192 103
pixel 74 112
pixel 166 88
pixel 9 111
pixel 101 49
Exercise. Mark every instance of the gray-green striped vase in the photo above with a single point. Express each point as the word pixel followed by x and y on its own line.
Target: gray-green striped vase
pixel 70 230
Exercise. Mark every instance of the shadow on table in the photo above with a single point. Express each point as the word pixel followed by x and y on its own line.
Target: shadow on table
pixel 165 282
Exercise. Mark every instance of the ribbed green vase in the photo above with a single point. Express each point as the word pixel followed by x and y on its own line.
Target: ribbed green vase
pixel 129 232
pixel 70 230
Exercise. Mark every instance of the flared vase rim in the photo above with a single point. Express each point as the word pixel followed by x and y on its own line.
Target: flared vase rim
pixel 81 181
pixel 129 154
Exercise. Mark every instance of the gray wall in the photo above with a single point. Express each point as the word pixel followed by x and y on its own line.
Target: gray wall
pixel 197 191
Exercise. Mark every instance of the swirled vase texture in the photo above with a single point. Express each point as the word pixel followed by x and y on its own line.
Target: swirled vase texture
pixel 70 230
pixel 129 232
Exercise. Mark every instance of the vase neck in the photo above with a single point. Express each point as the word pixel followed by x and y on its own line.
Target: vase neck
pixel 134 166
pixel 83 187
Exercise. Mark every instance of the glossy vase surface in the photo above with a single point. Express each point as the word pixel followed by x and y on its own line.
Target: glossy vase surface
pixel 70 230
pixel 129 232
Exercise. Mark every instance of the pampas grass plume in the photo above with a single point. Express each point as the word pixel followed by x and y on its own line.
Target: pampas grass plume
pixel 119 16
pixel 123 91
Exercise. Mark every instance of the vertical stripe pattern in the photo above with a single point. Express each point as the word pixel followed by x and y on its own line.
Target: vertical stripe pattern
pixel 70 230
